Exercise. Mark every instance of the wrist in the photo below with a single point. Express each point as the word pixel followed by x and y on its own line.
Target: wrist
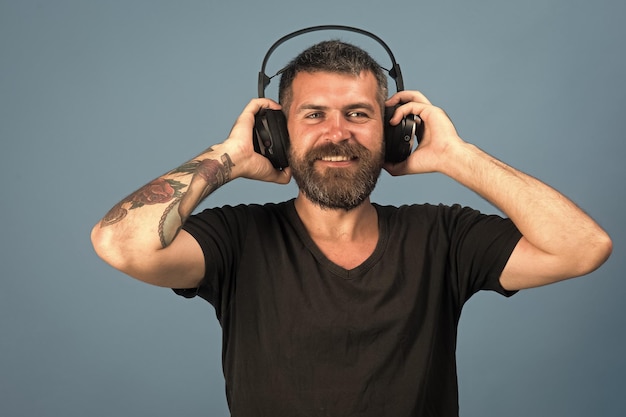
pixel 457 158
pixel 227 155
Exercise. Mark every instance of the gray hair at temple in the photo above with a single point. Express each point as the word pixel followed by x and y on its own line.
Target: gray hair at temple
pixel 331 56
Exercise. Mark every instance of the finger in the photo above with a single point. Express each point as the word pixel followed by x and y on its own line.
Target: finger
pixel 407 109
pixel 250 110
pixel 261 103
pixel 407 96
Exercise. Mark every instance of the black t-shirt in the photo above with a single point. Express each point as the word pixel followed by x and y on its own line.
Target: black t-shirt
pixel 305 337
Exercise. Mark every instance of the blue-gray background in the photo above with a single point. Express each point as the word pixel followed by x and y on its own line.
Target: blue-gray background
pixel 98 97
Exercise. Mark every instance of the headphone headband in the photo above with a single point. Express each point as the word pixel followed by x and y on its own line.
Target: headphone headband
pixel 394 72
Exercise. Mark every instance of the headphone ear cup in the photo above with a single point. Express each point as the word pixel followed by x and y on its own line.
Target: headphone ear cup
pixel 271 138
pixel 399 138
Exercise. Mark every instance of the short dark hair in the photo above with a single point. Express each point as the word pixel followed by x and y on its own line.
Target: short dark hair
pixel 331 56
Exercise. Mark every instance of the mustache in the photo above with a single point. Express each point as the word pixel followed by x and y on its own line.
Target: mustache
pixel 343 149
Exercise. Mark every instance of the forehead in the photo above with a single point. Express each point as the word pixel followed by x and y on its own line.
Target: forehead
pixel 328 87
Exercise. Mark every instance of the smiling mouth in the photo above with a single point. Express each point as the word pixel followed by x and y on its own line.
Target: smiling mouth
pixel 336 158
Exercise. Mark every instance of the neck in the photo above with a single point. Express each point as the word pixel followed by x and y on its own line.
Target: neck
pixel 337 224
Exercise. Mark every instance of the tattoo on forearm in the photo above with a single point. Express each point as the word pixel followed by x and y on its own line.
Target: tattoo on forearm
pixel 208 175
pixel 213 174
pixel 167 234
pixel 156 192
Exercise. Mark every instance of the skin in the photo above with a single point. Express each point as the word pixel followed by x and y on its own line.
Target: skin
pixel 560 241
pixel 335 108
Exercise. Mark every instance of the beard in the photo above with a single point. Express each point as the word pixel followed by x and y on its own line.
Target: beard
pixel 337 188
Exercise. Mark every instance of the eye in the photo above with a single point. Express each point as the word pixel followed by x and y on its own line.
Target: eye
pixel 357 115
pixel 314 115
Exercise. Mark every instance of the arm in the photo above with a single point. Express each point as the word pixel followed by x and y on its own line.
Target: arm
pixel 559 241
pixel 141 235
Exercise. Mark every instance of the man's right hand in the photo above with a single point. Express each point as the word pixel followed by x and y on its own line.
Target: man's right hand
pixel 239 145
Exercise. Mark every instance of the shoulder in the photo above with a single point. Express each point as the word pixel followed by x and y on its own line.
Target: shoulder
pixel 228 213
pixel 447 219
pixel 232 221
pixel 419 212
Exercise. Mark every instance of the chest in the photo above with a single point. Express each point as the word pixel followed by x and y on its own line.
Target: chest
pixel 347 255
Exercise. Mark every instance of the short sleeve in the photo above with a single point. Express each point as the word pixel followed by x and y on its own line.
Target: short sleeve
pixel 220 233
pixel 480 246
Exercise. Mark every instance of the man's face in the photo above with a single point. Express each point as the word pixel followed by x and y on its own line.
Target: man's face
pixel 335 124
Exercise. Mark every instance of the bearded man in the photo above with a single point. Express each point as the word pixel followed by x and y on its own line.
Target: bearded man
pixel 330 304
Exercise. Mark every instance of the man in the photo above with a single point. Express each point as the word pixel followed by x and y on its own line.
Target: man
pixel 331 304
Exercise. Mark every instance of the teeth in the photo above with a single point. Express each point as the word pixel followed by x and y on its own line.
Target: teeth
pixel 335 158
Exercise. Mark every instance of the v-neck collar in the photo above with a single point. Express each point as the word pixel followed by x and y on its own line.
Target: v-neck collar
pixel 327 263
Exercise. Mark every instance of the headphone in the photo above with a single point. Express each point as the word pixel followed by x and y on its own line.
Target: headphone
pixel 271 138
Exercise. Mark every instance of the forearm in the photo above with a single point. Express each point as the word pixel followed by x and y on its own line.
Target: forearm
pixel 548 220
pixel 150 218
pixel 559 239
pixel 141 236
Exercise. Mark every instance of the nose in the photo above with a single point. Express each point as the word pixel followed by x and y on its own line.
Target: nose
pixel 337 128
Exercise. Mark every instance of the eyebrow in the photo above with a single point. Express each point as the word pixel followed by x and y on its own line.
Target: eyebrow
pixel 353 106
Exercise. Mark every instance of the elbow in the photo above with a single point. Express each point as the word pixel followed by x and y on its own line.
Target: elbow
pixel 127 255
pixel 598 250
pixel 605 249
pixel 109 248
pixel 101 241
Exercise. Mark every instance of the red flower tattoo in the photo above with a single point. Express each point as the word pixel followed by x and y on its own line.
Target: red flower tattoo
pixel 156 192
